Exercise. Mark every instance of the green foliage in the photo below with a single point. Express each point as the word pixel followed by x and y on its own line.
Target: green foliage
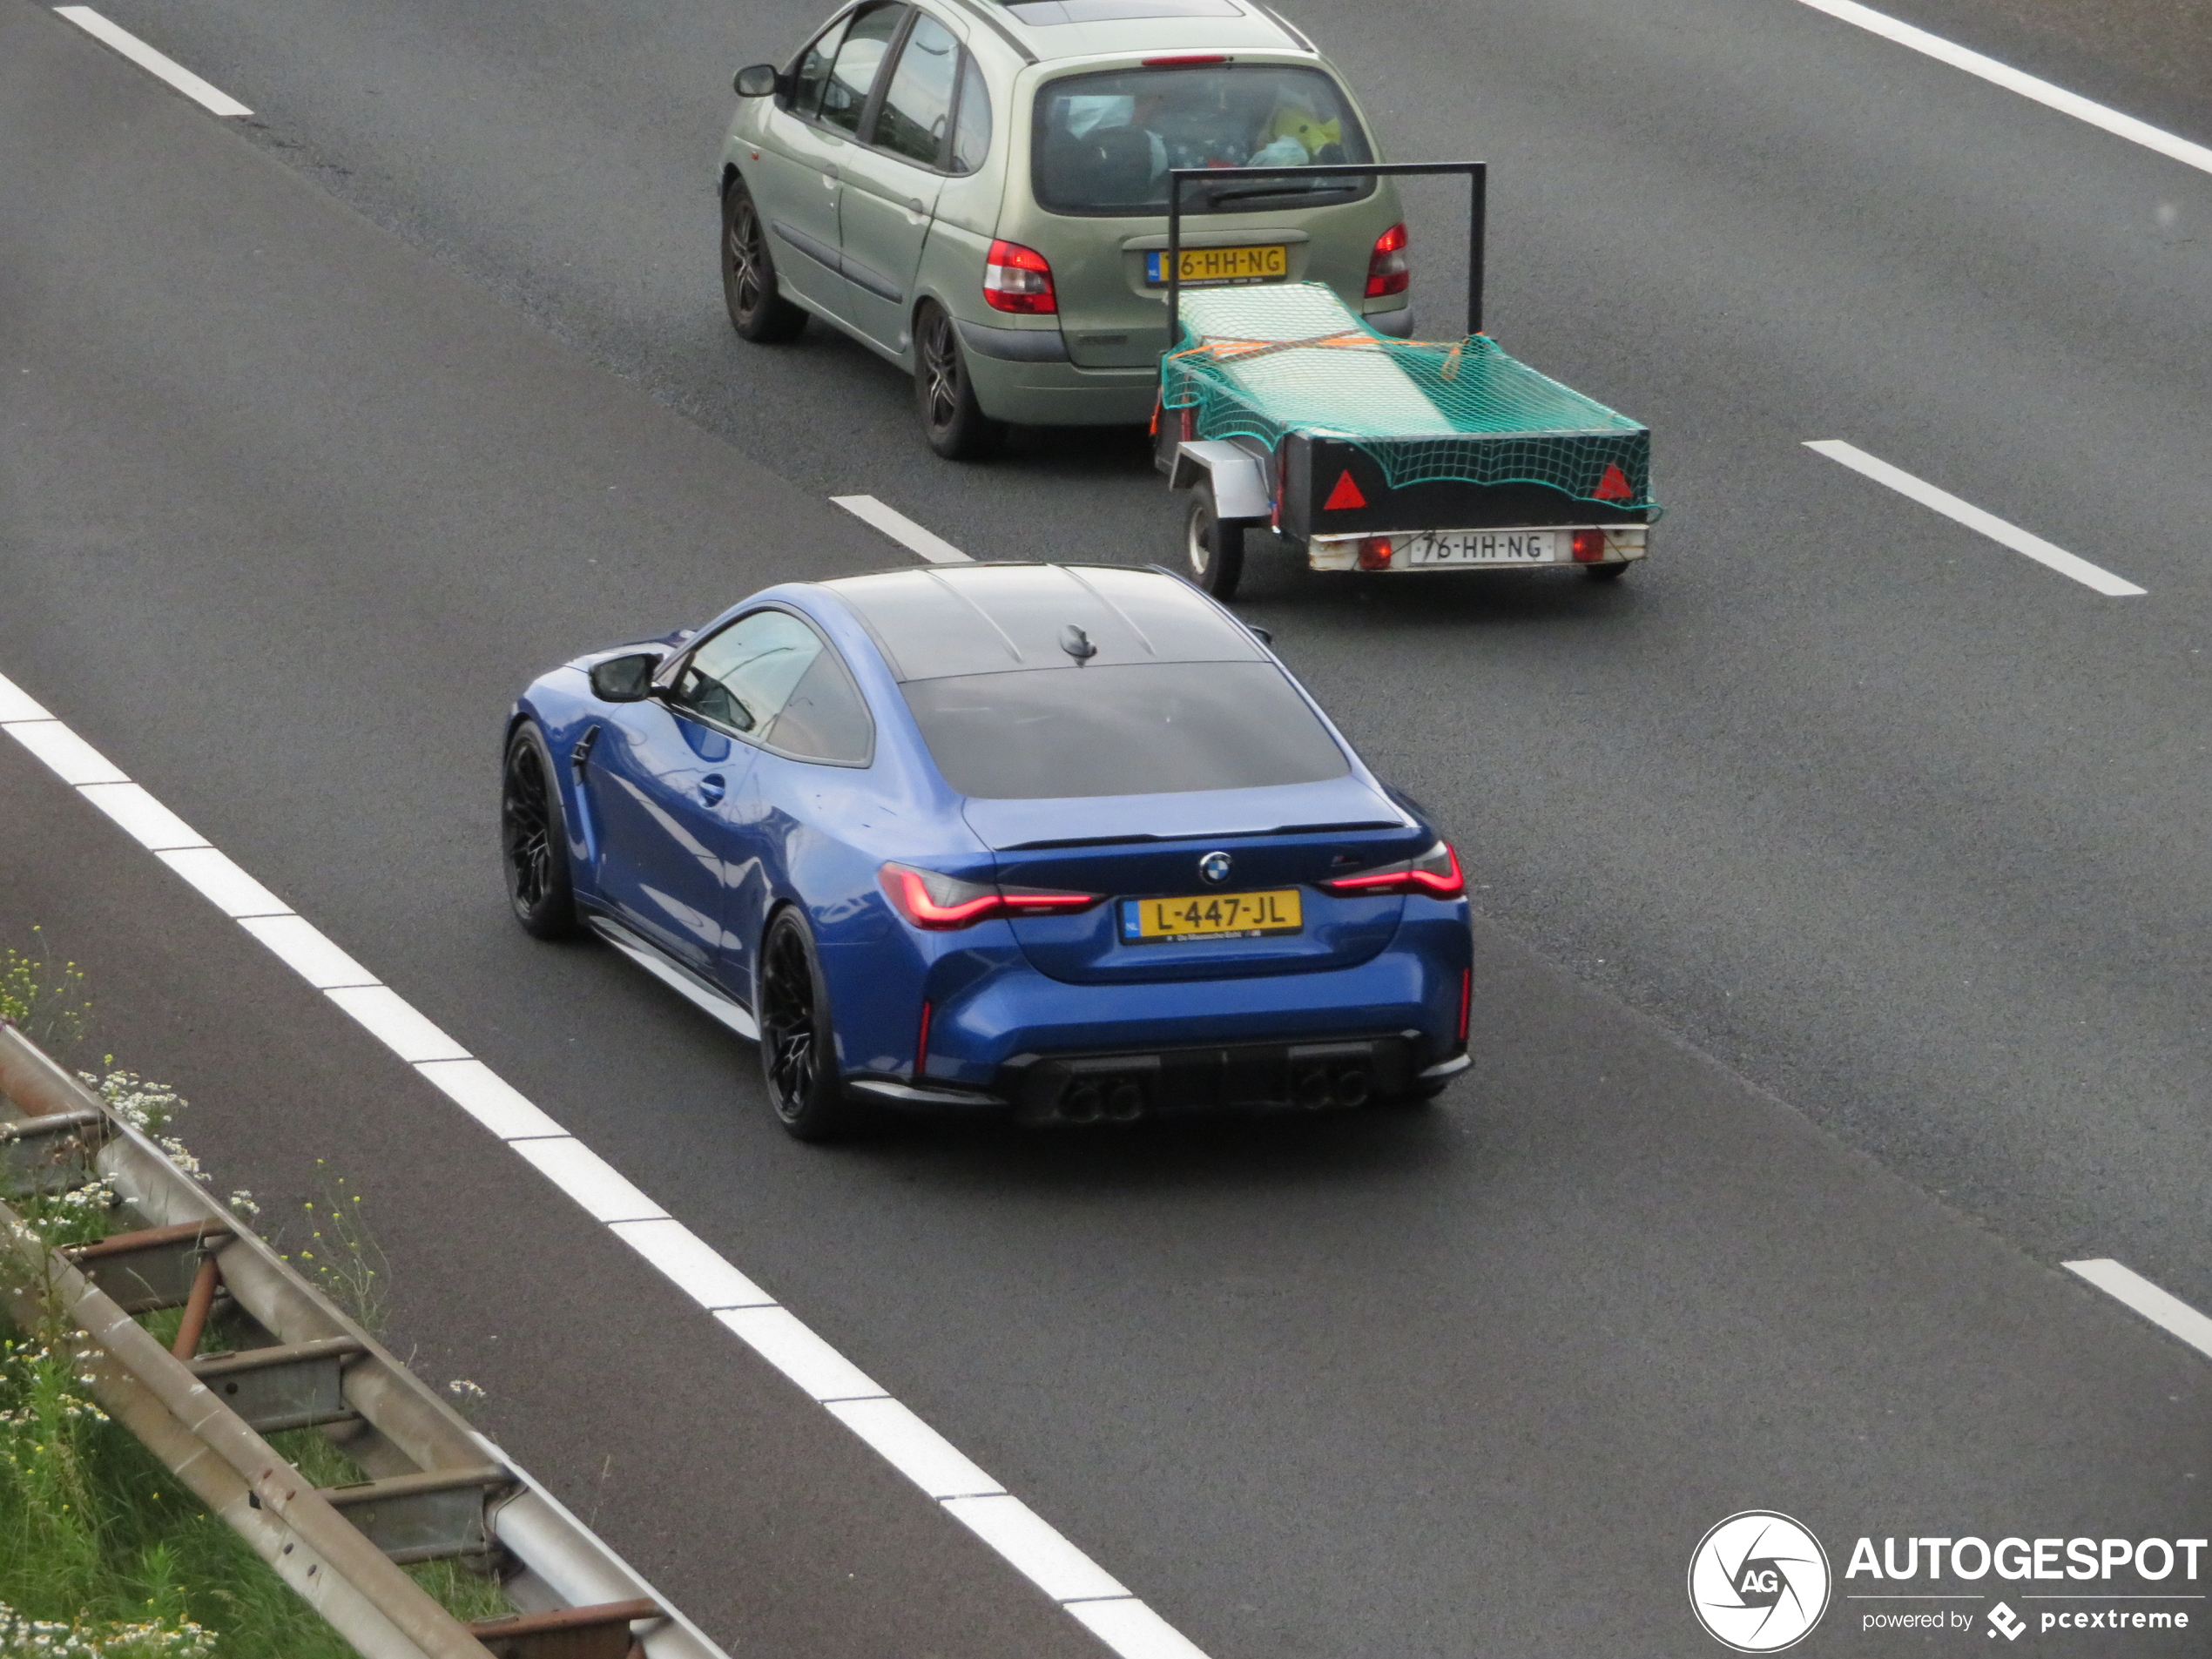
pixel 341 1255
pixel 44 1000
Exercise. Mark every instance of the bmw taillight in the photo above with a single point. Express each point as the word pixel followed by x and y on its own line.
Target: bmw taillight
pixel 1386 270
pixel 945 904
pixel 1435 874
pixel 1018 278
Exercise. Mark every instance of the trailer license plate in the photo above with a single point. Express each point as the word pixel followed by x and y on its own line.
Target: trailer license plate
pixel 1201 264
pixel 1484 547
pixel 1212 916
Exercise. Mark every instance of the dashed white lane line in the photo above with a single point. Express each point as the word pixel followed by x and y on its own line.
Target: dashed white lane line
pixel 2013 80
pixel 1023 1539
pixel 1975 518
pixel 2163 1308
pixel 153 62
pixel 902 529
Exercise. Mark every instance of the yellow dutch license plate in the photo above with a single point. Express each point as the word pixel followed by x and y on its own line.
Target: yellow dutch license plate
pixel 1199 265
pixel 1212 916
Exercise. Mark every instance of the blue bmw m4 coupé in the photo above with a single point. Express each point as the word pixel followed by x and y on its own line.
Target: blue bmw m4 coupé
pixel 1061 841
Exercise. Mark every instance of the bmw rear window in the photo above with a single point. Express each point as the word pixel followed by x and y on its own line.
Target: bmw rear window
pixel 1104 142
pixel 1134 729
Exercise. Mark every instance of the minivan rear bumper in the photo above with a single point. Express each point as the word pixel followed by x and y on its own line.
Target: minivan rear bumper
pixel 1036 393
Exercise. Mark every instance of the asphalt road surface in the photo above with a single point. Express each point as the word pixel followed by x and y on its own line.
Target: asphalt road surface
pixel 1841 967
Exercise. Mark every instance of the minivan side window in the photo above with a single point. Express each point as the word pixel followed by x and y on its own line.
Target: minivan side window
pixel 813 70
pixel 918 108
pixel 972 131
pixel 853 76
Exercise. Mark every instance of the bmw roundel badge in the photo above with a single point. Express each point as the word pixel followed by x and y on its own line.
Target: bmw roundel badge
pixel 1215 867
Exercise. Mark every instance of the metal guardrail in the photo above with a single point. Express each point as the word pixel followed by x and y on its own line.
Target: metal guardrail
pixel 436 1488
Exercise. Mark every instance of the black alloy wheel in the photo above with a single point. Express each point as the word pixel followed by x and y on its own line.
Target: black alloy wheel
pixel 1215 548
pixel 951 418
pixel 798 1045
pixel 534 840
pixel 756 310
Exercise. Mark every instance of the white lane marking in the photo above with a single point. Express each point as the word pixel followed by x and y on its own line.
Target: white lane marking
pixel 307 951
pixel 222 883
pixel 1975 518
pixel 691 1264
pixel 606 1192
pixel 777 1335
pixel 145 819
pixel 1035 1547
pixel 152 62
pixel 902 529
pixel 490 1099
pixel 396 1023
pixel 914 1448
pixel 2160 1307
pixel 2056 97
pixel 1024 1541
pixel 71 759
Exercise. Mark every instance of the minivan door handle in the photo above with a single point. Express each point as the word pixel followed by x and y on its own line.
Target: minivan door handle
pixel 712 787
pixel 913 204
pixel 829 172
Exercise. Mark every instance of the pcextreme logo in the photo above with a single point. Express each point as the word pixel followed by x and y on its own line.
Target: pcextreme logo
pixel 1759 1582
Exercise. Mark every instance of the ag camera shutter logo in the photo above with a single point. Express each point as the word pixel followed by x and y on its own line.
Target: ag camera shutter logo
pixel 1759 1582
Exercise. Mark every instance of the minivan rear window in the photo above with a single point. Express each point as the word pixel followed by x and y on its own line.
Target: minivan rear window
pixel 1129 729
pixel 1104 142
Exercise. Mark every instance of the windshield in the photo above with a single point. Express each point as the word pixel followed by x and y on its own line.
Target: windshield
pixel 1105 143
pixel 1139 729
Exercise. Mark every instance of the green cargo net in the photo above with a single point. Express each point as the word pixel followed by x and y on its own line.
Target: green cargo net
pixel 1263 362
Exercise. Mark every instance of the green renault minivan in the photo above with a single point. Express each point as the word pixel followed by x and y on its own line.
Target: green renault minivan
pixel 977 190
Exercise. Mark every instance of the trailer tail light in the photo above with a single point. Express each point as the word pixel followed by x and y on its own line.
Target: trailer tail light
pixel 1374 553
pixel 1386 270
pixel 1435 874
pixel 1018 278
pixel 944 904
pixel 1590 547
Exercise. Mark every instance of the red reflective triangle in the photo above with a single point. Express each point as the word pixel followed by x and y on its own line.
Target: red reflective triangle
pixel 1614 485
pixel 1346 495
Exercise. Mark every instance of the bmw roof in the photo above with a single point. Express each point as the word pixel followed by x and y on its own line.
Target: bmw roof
pixel 996 618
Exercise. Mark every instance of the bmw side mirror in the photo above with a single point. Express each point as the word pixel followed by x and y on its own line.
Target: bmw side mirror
pixel 756 80
pixel 625 679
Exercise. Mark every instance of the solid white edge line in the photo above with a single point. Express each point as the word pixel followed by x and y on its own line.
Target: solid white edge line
pixel 490 1099
pixel 2162 1308
pixel 67 756
pixel 1022 1538
pixel 691 1264
pixel 1964 512
pixel 914 1448
pixel 901 530
pixel 779 1337
pixel 145 819
pixel 307 951
pixel 154 62
pixel 16 704
pixel 1035 1547
pixel 223 884
pixel 396 1023
pixel 2013 80
pixel 606 1192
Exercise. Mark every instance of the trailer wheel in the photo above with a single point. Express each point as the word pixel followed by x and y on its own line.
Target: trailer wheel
pixel 1214 547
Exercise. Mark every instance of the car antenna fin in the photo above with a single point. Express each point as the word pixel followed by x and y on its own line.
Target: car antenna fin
pixel 1077 643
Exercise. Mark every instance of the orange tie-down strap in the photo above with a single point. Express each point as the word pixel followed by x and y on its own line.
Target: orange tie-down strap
pixel 1243 350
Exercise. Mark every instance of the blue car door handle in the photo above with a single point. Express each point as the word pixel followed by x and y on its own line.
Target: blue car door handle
pixel 711 787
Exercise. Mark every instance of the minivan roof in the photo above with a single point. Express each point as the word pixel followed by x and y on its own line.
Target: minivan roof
pixel 999 619
pixel 1056 29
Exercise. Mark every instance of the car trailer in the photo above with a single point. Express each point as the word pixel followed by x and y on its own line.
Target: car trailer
pixel 1280 408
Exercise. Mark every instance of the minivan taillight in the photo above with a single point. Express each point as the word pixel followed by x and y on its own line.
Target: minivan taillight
pixel 1435 874
pixel 1387 271
pixel 945 904
pixel 1018 278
